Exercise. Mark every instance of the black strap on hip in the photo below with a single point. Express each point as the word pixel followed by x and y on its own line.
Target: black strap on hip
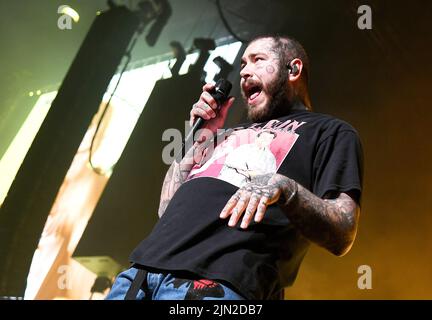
pixel 137 283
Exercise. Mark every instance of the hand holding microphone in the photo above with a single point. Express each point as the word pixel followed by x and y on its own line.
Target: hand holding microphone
pixel 211 110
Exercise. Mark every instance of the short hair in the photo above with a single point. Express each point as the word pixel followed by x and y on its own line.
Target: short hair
pixel 288 48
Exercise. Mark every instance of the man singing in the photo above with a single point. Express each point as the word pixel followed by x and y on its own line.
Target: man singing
pixel 221 237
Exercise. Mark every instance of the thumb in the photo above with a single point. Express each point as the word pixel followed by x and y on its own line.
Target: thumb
pixel 226 106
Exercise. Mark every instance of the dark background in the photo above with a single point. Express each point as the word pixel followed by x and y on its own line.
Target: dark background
pixel 377 80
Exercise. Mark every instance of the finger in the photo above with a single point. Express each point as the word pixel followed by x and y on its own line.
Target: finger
pixel 262 207
pixel 192 115
pixel 198 112
pixel 207 98
pixel 204 107
pixel 208 87
pixel 208 109
pixel 239 208
pixel 250 210
pixel 226 106
pixel 232 202
pixel 273 196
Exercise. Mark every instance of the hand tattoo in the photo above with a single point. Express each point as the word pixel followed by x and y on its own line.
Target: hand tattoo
pixel 253 199
pixel 330 223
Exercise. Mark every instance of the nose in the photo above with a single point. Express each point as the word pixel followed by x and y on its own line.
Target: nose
pixel 245 72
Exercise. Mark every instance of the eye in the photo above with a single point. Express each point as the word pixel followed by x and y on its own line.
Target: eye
pixel 259 58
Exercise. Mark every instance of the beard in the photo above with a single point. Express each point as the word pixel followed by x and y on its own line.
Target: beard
pixel 278 103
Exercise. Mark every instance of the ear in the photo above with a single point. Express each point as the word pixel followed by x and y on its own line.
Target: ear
pixel 296 70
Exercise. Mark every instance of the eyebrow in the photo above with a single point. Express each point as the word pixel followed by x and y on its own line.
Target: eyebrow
pixel 252 55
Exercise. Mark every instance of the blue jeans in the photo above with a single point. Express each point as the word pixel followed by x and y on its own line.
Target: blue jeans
pixel 164 286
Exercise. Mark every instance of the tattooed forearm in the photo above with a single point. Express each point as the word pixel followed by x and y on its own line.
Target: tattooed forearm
pixel 331 224
pixel 176 176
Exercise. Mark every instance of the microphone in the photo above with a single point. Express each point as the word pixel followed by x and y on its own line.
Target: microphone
pixel 220 93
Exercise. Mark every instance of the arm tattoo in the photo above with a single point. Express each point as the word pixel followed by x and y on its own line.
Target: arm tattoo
pixel 175 177
pixel 331 224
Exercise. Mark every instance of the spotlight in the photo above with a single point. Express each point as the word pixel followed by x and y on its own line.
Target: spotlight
pixel 31 94
pixel 180 56
pixel 38 92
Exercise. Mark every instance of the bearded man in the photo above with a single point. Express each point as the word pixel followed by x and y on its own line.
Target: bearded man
pixel 221 239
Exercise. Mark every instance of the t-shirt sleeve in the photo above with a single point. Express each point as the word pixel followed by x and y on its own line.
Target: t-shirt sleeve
pixel 338 165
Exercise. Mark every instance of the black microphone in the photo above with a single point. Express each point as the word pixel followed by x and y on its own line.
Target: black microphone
pixel 220 93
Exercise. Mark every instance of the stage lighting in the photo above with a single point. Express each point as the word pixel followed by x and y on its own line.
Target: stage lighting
pixel 204 45
pixel 225 68
pixel 158 10
pixel 31 94
pixel 180 56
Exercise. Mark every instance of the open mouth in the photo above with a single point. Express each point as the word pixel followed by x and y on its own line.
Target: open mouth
pixel 252 93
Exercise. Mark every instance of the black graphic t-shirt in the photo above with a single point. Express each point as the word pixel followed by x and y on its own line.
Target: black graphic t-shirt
pixel 318 151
